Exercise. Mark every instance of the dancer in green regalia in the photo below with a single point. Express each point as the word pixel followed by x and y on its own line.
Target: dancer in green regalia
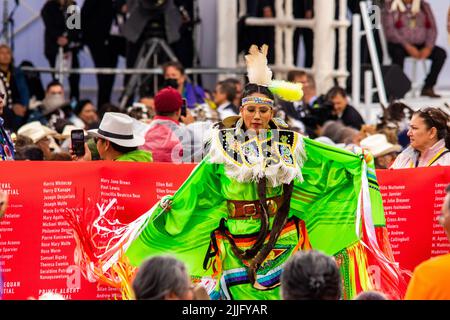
pixel 262 193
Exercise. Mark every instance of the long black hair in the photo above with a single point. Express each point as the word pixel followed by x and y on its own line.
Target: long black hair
pixel 311 275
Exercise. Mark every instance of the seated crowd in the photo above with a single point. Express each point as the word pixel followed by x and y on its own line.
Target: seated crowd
pixel 173 124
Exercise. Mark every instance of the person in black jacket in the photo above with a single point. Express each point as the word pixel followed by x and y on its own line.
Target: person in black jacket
pixel 54 15
pixel 101 21
pixel 342 110
pixel 303 9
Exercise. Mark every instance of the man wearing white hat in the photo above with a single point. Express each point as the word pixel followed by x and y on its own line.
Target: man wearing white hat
pixel 116 140
pixel 384 152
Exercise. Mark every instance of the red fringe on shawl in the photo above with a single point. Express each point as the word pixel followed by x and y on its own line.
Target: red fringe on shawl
pixel 388 278
pixel 96 237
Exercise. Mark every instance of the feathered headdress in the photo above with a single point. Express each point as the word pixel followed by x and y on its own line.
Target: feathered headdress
pixel 259 73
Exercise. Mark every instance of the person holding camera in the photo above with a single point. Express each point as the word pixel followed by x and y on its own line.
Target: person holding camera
pixel 116 140
pixel 167 137
pixel 342 110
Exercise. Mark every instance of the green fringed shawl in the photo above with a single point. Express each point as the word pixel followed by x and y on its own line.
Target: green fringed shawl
pixel 327 200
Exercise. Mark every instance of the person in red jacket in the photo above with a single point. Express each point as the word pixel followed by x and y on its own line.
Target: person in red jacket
pixel 167 137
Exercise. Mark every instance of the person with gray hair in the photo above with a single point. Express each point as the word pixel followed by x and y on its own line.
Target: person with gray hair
pixel 162 278
pixel 311 275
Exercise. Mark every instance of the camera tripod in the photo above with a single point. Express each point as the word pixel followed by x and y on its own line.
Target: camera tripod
pixel 150 49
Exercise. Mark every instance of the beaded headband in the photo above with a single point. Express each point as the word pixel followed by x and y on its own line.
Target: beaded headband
pixel 257 100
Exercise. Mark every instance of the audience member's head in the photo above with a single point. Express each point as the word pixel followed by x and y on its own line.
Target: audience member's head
pixel 6 57
pixel 225 93
pixel 107 107
pixel 310 275
pixel 307 81
pixel 384 153
pixel 174 74
pixel 116 136
pixel 238 86
pixel 54 99
pixel 168 102
pixel 149 101
pixel 41 136
pixel 54 88
pixel 29 152
pixel 22 141
pixel 348 135
pixel 338 97
pixel 141 112
pixel 60 156
pixel 332 129
pixel 427 127
pixel 162 278
pixel 295 75
pixel 371 295
pixel 87 112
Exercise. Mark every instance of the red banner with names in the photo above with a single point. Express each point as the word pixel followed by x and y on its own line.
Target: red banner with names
pixel 37 248
pixel 412 200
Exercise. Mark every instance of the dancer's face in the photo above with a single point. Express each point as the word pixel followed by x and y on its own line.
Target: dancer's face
pixel 256 117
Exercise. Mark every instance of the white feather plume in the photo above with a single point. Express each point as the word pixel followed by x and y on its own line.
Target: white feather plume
pixel 257 70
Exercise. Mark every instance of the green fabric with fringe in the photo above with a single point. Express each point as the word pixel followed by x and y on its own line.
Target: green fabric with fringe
pixel 326 200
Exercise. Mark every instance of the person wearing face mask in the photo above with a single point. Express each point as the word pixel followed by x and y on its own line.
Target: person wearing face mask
pixel 175 77
pixel 429 137
pixel 50 108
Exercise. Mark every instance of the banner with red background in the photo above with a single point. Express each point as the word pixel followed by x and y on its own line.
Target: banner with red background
pixel 37 248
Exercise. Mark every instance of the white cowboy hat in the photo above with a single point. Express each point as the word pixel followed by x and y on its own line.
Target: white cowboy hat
pixel 36 131
pixel 378 145
pixel 118 128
